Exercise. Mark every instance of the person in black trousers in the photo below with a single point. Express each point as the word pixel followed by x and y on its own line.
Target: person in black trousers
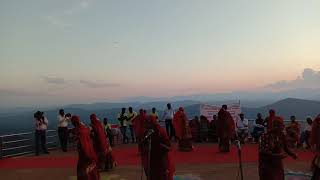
pixel 122 118
pixel 63 129
pixel 168 117
pixel 41 125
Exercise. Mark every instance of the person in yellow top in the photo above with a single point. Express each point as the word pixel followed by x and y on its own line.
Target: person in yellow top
pixel 130 117
pixel 154 113
pixel 107 128
pixel 122 118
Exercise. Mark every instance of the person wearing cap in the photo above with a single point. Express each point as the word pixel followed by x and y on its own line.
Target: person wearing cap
pixel 41 125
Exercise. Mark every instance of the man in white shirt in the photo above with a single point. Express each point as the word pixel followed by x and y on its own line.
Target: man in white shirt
pixel 122 118
pixel 63 130
pixel 130 116
pixel 306 133
pixel 242 128
pixel 168 117
pixel 41 125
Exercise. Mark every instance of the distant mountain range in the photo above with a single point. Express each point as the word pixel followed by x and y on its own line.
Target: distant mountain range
pixel 22 120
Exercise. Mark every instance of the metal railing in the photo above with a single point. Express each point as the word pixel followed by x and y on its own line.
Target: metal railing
pixel 23 143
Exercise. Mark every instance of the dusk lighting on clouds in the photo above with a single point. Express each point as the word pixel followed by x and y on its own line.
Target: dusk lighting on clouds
pixel 79 51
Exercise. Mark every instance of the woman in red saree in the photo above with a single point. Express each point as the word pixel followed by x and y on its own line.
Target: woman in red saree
pixel 87 161
pixel 138 124
pixel 161 165
pixel 225 129
pixel 293 132
pixel 271 147
pixel 272 116
pixel 101 145
pixel 315 143
pixel 183 133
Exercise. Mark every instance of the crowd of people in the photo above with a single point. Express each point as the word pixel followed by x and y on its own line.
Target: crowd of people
pixel 94 142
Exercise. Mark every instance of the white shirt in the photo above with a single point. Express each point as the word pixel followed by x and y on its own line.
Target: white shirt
pixel 168 114
pixel 62 121
pixel 308 127
pixel 242 124
pixel 41 125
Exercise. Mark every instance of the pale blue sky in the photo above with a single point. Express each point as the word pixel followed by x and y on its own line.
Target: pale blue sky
pixel 70 51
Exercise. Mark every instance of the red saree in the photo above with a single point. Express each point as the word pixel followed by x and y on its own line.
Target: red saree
pixel 101 144
pixel 271 153
pixel 272 116
pixel 87 161
pixel 161 163
pixel 225 129
pixel 183 133
pixel 315 142
pixel 293 134
pixel 138 124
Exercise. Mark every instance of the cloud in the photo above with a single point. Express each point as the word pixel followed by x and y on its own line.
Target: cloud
pixel 57 21
pixel 20 92
pixel 309 79
pixel 91 84
pixel 54 80
pixel 59 18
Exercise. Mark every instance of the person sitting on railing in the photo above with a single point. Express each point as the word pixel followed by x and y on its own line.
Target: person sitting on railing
pixel 87 161
pixel 101 145
pixel 242 128
pixel 315 143
pixel 41 125
pixel 258 128
pixel 306 133
pixel 293 132
pixel 63 130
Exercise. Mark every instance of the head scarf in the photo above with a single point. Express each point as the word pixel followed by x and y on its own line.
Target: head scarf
pixel 180 121
pixel 138 124
pixel 82 133
pixel 100 138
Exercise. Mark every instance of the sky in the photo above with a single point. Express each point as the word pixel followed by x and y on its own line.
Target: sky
pixel 81 51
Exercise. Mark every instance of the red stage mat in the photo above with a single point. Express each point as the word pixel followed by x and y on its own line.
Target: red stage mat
pixel 128 155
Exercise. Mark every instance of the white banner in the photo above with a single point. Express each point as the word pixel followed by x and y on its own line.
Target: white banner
pixel 210 110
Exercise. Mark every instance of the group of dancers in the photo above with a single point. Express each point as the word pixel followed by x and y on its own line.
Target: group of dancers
pixel 155 148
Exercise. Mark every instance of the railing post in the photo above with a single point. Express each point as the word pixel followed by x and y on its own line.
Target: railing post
pixel 1 147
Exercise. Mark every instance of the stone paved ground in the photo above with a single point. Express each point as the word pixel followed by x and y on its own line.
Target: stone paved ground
pixel 204 171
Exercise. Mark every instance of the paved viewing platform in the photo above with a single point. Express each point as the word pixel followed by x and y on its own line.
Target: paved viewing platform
pixel 204 162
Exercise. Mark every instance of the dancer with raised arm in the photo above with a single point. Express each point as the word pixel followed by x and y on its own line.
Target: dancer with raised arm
pixel 272 146
pixel 158 165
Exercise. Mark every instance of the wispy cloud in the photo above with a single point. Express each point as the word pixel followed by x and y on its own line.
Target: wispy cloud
pixel 308 79
pixel 54 80
pixel 57 21
pixel 59 18
pixel 91 84
pixel 20 92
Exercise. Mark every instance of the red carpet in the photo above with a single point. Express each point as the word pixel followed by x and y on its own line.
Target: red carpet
pixel 129 156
